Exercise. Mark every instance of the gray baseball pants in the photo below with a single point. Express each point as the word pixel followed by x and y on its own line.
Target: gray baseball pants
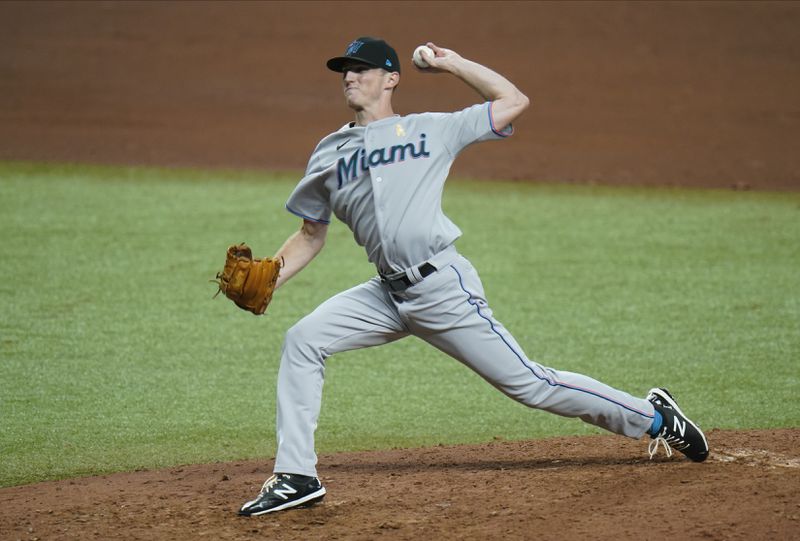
pixel 448 310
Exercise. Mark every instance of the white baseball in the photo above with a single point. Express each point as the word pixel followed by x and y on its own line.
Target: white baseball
pixel 420 55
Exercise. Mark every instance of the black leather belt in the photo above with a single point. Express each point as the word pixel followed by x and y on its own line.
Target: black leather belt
pixel 399 282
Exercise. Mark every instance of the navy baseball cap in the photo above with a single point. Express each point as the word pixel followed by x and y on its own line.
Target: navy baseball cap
pixel 371 51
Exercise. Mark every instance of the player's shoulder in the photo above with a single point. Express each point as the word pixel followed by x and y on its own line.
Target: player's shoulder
pixel 345 130
pixel 439 115
pixel 413 117
pixel 335 138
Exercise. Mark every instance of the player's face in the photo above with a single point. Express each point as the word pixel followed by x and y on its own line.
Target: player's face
pixel 362 84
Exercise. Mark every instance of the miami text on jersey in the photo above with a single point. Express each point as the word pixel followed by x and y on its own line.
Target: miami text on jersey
pixel 348 169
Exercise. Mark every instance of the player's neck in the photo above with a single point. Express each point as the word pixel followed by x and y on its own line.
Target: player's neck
pixel 378 111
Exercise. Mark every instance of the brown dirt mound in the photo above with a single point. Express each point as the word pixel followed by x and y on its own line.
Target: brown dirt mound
pixel 685 93
pixel 599 487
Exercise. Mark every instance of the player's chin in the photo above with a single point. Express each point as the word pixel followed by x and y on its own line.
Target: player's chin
pixel 352 102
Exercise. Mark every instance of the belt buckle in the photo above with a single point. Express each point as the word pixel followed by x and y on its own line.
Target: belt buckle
pixel 390 279
pixel 397 286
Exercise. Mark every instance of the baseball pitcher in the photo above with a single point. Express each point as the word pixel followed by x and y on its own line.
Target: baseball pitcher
pixel 383 175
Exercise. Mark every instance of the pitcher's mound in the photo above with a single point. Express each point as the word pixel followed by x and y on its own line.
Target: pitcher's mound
pixel 597 487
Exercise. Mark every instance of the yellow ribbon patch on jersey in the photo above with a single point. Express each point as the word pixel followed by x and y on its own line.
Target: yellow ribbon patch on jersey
pixel 398 129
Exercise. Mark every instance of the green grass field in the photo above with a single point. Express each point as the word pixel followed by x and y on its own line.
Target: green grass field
pixel 114 357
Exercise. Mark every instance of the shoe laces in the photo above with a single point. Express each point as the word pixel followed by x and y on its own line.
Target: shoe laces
pixel 268 484
pixel 652 448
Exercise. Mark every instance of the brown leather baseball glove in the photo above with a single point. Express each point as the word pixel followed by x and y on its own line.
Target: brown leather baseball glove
pixel 246 281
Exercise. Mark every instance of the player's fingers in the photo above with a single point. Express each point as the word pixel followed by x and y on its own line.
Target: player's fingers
pixel 438 51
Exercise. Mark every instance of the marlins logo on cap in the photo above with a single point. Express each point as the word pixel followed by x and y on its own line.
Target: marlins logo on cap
pixel 353 48
pixel 371 51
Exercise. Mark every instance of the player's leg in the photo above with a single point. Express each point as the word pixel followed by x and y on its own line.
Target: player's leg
pixel 361 317
pixel 358 318
pixel 460 323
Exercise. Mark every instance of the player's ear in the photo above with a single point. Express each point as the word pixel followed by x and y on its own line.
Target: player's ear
pixel 392 80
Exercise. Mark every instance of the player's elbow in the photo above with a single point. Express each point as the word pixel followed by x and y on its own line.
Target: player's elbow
pixel 515 105
pixel 314 235
pixel 521 102
pixel 507 109
pixel 526 101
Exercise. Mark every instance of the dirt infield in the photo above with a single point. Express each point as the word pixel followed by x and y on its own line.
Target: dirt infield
pixel 643 93
pixel 601 487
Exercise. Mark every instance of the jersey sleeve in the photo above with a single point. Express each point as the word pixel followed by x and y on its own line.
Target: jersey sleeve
pixel 310 199
pixel 471 125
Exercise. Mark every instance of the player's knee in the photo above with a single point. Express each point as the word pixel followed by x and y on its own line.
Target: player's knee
pixel 301 341
pixel 526 391
pixel 297 335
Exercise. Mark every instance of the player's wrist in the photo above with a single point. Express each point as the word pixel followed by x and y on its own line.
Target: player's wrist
pixel 457 65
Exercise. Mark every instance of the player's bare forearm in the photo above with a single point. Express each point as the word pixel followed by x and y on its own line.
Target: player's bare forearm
pixel 508 101
pixel 300 248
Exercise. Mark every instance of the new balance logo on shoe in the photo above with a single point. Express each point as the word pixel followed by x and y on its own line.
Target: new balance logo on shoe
pixel 677 426
pixel 284 492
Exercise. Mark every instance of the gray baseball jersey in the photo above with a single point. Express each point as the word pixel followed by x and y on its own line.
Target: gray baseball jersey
pixel 385 181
